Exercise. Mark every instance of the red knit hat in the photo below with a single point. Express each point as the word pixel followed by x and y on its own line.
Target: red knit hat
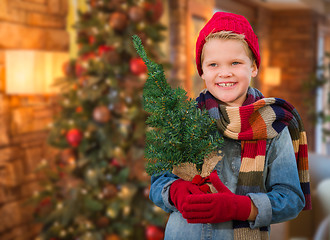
pixel 222 21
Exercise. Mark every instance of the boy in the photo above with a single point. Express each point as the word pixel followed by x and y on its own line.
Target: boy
pixel 259 183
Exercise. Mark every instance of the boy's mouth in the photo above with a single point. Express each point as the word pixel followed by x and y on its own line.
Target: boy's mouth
pixel 225 84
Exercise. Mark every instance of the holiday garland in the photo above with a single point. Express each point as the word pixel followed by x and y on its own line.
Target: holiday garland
pixel 179 132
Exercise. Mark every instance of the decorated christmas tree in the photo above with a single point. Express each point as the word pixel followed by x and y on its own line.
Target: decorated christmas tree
pixel 96 189
pixel 180 135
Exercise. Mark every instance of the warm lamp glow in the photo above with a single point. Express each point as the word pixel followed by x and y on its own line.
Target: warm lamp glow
pixel 272 76
pixel 33 72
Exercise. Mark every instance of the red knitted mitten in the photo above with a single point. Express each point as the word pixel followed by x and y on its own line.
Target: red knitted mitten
pixel 180 189
pixel 217 207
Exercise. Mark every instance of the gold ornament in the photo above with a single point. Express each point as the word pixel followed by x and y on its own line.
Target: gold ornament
pixel 141 26
pixel 91 173
pixel 111 213
pixel 118 21
pixel 127 191
pixel 125 126
pixel 117 152
pixel 87 134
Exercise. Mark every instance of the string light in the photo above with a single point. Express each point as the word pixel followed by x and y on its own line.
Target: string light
pixel 111 213
pixel 50 125
pixel 87 134
pixel 63 233
pixel 59 206
pixel 91 173
pixel 126 210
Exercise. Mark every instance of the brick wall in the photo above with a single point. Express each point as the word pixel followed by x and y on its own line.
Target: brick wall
pixel 292 42
pixel 186 19
pixel 178 41
pixel 25 24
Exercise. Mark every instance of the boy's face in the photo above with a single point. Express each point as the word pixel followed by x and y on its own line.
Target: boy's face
pixel 227 70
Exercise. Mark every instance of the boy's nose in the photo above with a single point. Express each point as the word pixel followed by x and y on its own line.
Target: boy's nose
pixel 224 73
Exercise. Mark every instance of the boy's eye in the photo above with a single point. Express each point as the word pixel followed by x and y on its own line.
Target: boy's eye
pixel 213 64
pixel 236 63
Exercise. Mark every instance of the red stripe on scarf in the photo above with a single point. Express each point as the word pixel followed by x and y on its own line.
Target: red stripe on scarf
pixel 308 205
pixel 303 150
pixel 210 103
pixel 251 149
pixel 246 129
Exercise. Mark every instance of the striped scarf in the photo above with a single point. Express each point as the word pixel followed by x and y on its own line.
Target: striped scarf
pixel 257 120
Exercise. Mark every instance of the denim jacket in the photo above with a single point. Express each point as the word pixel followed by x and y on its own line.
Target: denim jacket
pixel 283 198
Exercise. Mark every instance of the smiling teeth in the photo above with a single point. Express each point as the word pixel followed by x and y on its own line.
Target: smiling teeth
pixel 225 84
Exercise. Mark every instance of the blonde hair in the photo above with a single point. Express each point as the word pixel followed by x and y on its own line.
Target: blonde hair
pixel 226 35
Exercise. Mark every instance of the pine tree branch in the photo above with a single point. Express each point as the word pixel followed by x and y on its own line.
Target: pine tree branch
pixel 180 132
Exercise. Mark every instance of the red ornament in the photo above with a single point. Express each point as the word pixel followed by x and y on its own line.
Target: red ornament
pixel 79 70
pixel 137 66
pixel 104 49
pixel 44 207
pixel 154 233
pixel 79 109
pixel 74 137
pixel 46 201
pixel 87 56
pixel 93 3
pixel 154 10
pixel 115 163
pixel 91 40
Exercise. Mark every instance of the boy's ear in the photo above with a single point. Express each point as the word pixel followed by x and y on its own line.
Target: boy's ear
pixel 254 69
pixel 202 76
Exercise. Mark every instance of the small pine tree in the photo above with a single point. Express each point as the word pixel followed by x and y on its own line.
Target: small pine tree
pixel 179 131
